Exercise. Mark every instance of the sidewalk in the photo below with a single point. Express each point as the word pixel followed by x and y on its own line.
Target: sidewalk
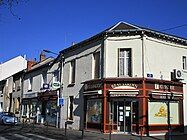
pixel 56 133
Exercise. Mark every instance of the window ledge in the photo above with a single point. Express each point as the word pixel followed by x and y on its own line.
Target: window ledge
pixel 184 70
pixel 71 85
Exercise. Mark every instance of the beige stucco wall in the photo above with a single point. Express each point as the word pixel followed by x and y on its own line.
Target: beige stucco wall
pixel 83 57
pixel 112 44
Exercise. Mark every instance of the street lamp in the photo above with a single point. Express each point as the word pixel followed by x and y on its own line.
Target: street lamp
pixel 48 51
pixel 59 56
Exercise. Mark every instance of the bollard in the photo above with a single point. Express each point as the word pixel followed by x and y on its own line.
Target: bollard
pixel 82 133
pixel 65 128
pixel 141 129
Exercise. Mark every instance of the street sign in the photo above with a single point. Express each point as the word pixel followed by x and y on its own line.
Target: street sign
pixel 61 101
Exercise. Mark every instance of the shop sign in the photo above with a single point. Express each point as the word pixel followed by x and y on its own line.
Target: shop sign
pixel 124 86
pixel 92 86
pixel 128 94
pixel 164 87
pixel 45 86
pixel 55 85
pixel 61 101
pixel 30 95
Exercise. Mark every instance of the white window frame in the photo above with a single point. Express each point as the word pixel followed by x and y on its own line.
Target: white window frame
pixel 30 83
pixel 126 70
pixel 94 60
pixel 43 79
pixel 184 62
pixel 72 72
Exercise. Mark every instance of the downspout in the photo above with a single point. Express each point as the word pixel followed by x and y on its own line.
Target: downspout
pixel 102 62
pixel 60 90
pixel 143 55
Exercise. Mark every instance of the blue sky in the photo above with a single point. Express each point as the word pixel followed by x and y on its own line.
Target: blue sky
pixel 55 24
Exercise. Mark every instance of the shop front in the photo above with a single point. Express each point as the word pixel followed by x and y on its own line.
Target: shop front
pixel 30 105
pixel 49 108
pixel 133 105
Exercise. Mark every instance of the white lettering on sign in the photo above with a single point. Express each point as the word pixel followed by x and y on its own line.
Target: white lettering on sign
pixel 125 85
pixel 164 87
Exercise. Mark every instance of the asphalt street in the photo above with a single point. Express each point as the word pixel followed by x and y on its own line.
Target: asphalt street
pixel 40 132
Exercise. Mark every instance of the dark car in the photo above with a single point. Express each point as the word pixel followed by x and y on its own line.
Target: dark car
pixel 8 118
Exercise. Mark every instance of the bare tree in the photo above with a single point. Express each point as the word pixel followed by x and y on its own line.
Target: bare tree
pixel 9 4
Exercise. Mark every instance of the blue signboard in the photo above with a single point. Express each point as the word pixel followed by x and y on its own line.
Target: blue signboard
pixel 61 101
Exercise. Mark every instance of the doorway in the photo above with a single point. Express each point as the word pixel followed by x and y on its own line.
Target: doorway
pixel 124 114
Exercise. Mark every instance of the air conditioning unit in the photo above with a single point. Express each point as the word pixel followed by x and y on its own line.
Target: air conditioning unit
pixel 178 74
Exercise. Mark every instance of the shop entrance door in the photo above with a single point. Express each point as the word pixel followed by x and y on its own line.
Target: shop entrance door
pixel 122 115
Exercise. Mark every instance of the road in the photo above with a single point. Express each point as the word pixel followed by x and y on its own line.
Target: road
pixel 40 132
pixel 28 132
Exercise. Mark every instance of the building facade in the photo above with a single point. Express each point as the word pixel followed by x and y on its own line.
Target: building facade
pixel 39 100
pixel 10 84
pixel 123 79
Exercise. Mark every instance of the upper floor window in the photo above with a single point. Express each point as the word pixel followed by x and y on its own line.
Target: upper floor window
pixel 184 63
pixel 124 66
pixel 96 65
pixel 56 76
pixel 72 72
pixel 30 83
pixel 43 78
pixel 71 100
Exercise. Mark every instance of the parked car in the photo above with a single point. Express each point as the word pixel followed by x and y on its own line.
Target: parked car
pixel 8 118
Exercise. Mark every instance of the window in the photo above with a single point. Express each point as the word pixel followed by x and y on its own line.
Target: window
pixel 19 84
pixel 56 77
pixel 43 79
pixel 72 72
pixel 124 66
pixel 96 65
pixel 184 63
pixel 30 82
pixel 94 111
pixel 71 99
pixel 14 86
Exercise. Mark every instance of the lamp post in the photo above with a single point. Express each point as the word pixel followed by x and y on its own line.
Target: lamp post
pixel 59 114
pixel 169 98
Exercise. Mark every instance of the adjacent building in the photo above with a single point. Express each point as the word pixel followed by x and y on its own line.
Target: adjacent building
pixel 10 84
pixel 128 79
pixel 39 99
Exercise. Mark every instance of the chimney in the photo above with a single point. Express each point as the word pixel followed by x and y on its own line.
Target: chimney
pixel 42 56
pixel 30 63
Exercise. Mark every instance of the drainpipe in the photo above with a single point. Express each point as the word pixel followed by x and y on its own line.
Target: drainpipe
pixel 143 55
pixel 60 90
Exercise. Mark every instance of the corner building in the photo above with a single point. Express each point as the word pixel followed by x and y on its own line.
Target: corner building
pixel 127 78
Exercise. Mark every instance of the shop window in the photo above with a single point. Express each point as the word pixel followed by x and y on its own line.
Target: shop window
pixel 124 66
pixel 71 100
pixel 184 63
pixel 96 65
pixel 24 113
pixel 94 111
pixel 158 113
pixel 72 72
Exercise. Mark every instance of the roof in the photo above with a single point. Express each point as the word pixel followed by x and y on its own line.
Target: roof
pixel 124 28
pixel 41 64
pixel 12 67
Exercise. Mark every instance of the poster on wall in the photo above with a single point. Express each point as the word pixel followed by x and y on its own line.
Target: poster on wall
pixel 158 113
pixel 94 111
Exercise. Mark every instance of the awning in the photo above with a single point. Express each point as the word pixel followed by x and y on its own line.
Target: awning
pixel 94 92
